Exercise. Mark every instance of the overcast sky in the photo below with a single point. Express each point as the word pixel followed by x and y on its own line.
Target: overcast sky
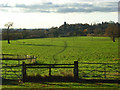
pixel 49 13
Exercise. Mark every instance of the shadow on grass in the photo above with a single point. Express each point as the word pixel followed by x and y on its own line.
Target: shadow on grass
pixel 39 78
pixel 37 45
pixel 64 46
pixel 9 82
pixel 66 79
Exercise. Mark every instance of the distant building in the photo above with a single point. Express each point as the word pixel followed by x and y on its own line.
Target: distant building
pixel 64 23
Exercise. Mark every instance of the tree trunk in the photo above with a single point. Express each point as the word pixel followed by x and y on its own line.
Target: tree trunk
pixel 8 41
pixel 8 35
pixel 113 38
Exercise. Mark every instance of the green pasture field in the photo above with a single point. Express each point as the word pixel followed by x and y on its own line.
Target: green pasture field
pixel 64 50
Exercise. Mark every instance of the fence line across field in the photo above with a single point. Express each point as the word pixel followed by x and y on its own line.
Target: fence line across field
pixel 104 66
pixel 7 67
pixel 75 67
pixel 18 58
pixel 98 63
pixel 102 69
pixel 5 72
pixel 49 66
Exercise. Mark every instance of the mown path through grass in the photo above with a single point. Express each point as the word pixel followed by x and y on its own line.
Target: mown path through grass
pixel 64 48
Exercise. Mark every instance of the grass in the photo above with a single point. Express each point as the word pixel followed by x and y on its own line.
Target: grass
pixel 41 85
pixel 64 50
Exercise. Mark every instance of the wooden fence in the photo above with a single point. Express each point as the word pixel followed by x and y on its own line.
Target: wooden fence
pixel 99 70
pixel 49 66
pixel 11 65
pixel 95 72
pixel 11 72
pixel 86 70
pixel 13 57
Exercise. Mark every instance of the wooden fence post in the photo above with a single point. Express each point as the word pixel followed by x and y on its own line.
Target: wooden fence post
pixel 24 71
pixel 75 70
pixel 5 70
pixel 50 70
pixel 105 71
pixel 35 59
pixel 3 56
pixel 18 60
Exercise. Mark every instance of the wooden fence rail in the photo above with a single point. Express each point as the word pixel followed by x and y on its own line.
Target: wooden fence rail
pixel 49 66
pixel 13 62
pixel 9 70
pixel 104 69
pixel 15 57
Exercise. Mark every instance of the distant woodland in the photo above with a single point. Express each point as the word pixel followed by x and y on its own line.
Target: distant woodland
pixel 65 30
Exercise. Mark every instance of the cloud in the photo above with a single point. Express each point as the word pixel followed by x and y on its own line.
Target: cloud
pixel 4 5
pixel 49 7
pixel 86 7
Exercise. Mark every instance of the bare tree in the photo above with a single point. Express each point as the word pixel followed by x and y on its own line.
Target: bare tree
pixel 112 31
pixel 8 25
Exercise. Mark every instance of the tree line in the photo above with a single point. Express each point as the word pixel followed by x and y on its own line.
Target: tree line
pixel 66 30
